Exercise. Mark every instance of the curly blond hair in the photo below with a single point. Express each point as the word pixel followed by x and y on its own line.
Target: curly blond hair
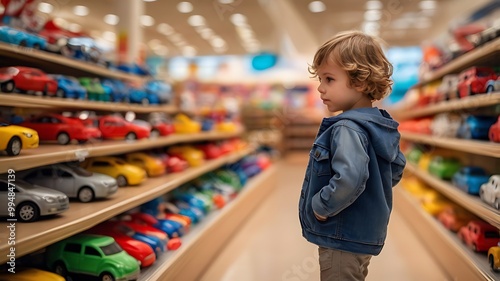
pixel 362 57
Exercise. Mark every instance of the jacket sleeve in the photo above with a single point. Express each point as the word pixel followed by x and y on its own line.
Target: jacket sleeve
pixel 349 166
pixel 397 167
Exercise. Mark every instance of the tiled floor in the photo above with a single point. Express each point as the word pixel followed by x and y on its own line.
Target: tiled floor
pixel 270 246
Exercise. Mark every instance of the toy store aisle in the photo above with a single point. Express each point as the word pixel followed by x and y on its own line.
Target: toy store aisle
pixel 269 247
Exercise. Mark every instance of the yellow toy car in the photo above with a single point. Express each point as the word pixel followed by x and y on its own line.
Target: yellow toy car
pixel 14 138
pixel 415 187
pixel 123 172
pixel 424 161
pixel 30 274
pixel 226 126
pixel 193 156
pixel 184 125
pixel 494 258
pixel 433 202
pixel 153 166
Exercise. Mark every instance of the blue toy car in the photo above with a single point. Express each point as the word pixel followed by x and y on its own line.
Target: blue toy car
pixel 69 87
pixel 21 38
pixel 470 179
pixel 476 127
pixel 141 96
pixel 83 48
pixel 160 89
pixel 117 90
pixel 133 69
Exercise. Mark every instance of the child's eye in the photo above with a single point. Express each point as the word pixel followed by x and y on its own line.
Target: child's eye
pixel 328 79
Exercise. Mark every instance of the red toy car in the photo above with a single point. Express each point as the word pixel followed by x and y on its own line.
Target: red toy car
pixel 51 127
pixel 210 150
pixel 26 79
pixel 473 80
pixel 494 131
pixel 115 127
pixel 479 235
pixel 137 249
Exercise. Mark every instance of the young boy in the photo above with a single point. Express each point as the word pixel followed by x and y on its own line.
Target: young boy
pixel 346 197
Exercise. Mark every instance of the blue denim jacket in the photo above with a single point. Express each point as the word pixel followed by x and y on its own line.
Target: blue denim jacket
pixel 353 165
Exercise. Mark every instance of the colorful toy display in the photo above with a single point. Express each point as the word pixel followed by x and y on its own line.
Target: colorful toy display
pixel 494 131
pixel 32 201
pixel 193 156
pixel 453 217
pixel 26 79
pixel 494 258
pixel 490 191
pixel 124 173
pixel 93 255
pixel 473 80
pixel 55 127
pixel 14 138
pixel 21 38
pixel 476 127
pixel 184 125
pixel 30 274
pixel 73 181
pixel 95 91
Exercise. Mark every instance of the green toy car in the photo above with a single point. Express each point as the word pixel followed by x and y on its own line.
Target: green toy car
pixel 95 90
pixel 94 255
pixel 444 168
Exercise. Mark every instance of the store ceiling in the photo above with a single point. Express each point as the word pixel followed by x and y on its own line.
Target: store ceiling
pixel 401 23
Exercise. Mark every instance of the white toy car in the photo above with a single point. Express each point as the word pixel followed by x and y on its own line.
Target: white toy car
pixel 490 191
pixel 446 125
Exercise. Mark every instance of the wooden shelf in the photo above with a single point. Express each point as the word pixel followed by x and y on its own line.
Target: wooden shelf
pixel 460 262
pixel 61 104
pixel 31 237
pixel 58 64
pixel 484 55
pixel 468 103
pixel 204 241
pixel 52 153
pixel 472 203
pixel 486 148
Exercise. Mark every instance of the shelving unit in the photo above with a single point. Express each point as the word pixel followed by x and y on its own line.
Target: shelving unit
pixel 486 148
pixel 300 133
pixel 459 261
pixel 53 63
pixel 468 103
pixel 54 103
pixel 50 154
pixel 470 202
pixel 206 239
pixel 81 216
pixel 483 55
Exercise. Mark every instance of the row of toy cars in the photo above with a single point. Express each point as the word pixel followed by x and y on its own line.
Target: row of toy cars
pixel 473 180
pixel 63 129
pixel 45 190
pixel 33 80
pixel 472 81
pixel 117 249
pixel 474 232
pixel 454 125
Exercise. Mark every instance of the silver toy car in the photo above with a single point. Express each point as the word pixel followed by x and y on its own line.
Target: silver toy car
pixel 30 201
pixel 72 180
pixel 490 191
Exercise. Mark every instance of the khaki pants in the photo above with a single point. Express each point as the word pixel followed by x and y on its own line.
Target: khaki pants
pixel 338 265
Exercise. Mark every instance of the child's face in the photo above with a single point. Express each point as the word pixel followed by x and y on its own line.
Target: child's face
pixel 334 89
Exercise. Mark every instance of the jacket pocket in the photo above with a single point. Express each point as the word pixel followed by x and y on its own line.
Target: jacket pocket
pixel 320 160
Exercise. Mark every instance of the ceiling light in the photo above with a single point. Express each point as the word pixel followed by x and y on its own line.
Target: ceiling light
pixel 80 10
pixel 147 20
pixel 109 35
pixel 373 5
pixel 61 22
pixel 74 27
pixel 196 20
pixel 154 42
pixel 205 32
pixel 45 7
pixel 217 42
pixel 149 0
pixel 165 29
pixel 226 1
pixel 189 51
pixel 185 7
pixel 238 19
pixel 372 15
pixel 221 49
pixel 111 19
pixel 371 28
pixel 427 5
pixel 317 7
pixel 175 37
